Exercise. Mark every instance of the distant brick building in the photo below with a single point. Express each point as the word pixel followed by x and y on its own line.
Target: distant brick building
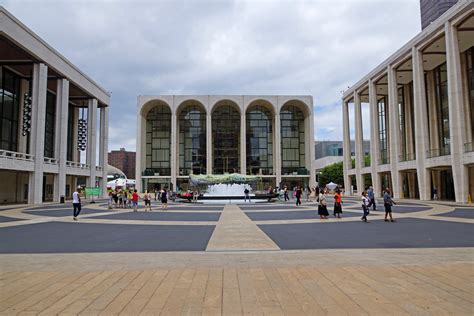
pixel 124 160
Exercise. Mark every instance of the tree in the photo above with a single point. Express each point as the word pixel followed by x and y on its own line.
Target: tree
pixel 332 173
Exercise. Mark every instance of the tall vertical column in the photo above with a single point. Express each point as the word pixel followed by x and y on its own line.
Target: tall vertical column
pixel 39 86
pixel 346 146
pixel 394 130
pixel 140 157
pixel 310 155
pixel 243 143
pixel 174 134
pixel 209 143
pixel 374 138
pixel 421 123
pixel 277 147
pixel 62 108
pixel 104 146
pixel 456 113
pixel 91 141
pixel 359 150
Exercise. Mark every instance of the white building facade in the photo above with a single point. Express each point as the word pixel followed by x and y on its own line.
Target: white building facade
pixel 43 97
pixel 180 135
pixel 421 105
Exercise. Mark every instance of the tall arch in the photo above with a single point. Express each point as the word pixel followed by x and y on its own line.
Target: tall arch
pixel 226 137
pixel 293 138
pixel 191 138
pixel 259 138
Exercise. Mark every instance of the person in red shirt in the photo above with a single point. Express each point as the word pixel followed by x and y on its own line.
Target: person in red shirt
pixel 337 204
pixel 135 200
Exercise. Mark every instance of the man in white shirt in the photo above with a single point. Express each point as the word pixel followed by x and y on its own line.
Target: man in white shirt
pixel 76 203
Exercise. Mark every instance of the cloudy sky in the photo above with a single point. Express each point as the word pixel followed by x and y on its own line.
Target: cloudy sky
pixel 297 47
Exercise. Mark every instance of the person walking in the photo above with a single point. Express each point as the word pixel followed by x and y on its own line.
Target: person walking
pixel 285 193
pixel 147 199
pixel 270 193
pixel 387 203
pixel 298 196
pixel 365 207
pixel 337 204
pixel 164 199
pixel 322 207
pixel 435 194
pixel 246 195
pixel 135 200
pixel 371 196
pixel 76 203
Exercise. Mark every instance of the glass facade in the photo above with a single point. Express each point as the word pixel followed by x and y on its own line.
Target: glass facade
pixel 70 135
pixel 259 140
pixel 226 139
pixel 383 124
pixel 192 141
pixel 49 125
pixel 9 109
pixel 158 141
pixel 292 140
pixel 402 117
pixel 442 109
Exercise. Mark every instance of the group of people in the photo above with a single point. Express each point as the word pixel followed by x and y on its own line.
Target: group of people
pixel 128 198
pixel 368 199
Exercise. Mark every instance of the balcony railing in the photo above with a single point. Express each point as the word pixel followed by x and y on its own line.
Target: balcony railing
pixel 407 157
pixel 157 172
pixel 260 171
pixel 293 171
pixel 50 161
pixel 438 152
pixel 384 160
pixel 79 165
pixel 6 154
pixel 468 147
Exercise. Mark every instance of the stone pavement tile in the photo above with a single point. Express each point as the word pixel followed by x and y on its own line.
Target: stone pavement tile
pixel 195 298
pixel 248 294
pixel 160 296
pixel 213 298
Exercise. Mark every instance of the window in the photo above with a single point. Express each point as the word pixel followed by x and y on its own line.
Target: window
pixel 49 125
pixel 442 109
pixel 383 123
pixel 226 139
pixel 292 140
pixel 158 141
pixel 259 140
pixel 192 141
pixel 9 108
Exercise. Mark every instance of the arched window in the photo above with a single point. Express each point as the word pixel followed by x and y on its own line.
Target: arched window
pixel 226 139
pixel 292 140
pixel 259 140
pixel 158 141
pixel 192 141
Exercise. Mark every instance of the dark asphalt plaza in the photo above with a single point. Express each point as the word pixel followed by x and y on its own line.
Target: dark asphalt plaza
pixel 190 227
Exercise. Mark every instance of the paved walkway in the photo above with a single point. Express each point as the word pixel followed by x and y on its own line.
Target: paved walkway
pixel 270 259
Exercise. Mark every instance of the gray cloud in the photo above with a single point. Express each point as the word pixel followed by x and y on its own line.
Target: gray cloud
pixel 223 47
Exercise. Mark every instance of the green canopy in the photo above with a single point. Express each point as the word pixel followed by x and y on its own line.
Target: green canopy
pixel 221 178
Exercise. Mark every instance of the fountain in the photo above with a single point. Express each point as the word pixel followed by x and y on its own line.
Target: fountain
pixel 226 190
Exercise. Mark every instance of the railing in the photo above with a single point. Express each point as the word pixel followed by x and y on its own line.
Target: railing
pixel 149 172
pixel 468 147
pixel 79 165
pixel 294 171
pixel 16 156
pixel 384 160
pixel 407 157
pixel 50 161
pixel 260 171
pixel 438 152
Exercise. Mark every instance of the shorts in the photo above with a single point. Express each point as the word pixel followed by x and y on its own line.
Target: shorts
pixel 135 203
pixel 147 202
pixel 388 208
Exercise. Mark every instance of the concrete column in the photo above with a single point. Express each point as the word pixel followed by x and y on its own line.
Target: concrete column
pixel 62 108
pixel 277 147
pixel 140 161
pixel 91 154
pixel 209 144
pixel 456 113
pixel 409 128
pixel 243 144
pixel 39 86
pixel 310 155
pixel 421 123
pixel 374 137
pixel 174 134
pixel 394 130
pixel 346 146
pixel 359 151
pixel 104 146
